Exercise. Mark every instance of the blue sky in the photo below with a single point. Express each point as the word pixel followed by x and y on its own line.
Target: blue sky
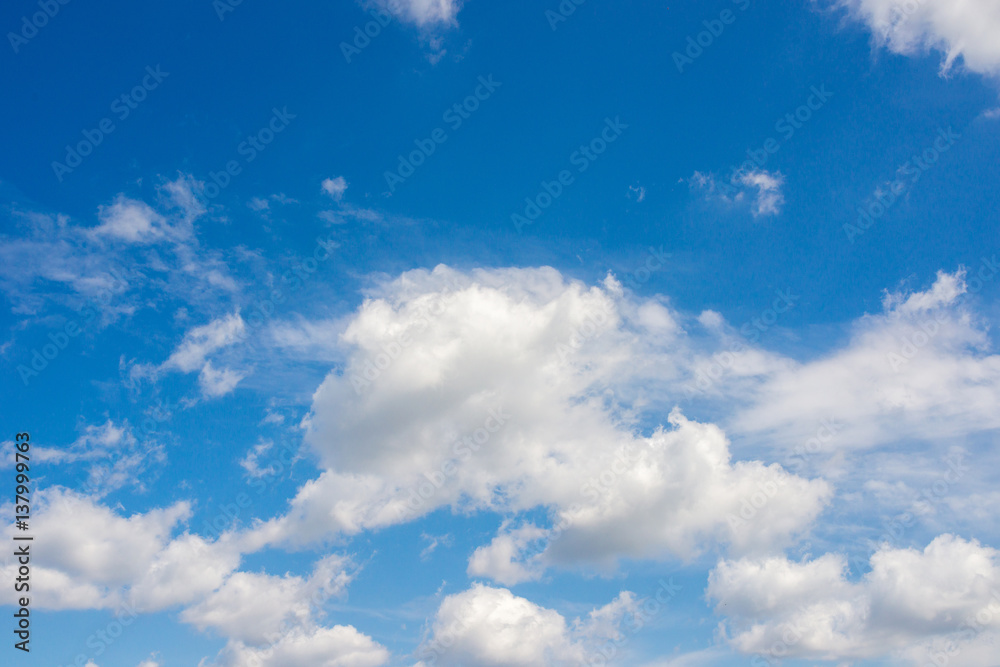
pixel 680 319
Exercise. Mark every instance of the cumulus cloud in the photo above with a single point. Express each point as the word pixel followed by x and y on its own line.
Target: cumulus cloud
pixel 494 391
pixel 963 32
pixel 98 559
pixel 489 626
pixel 921 368
pixel 255 608
pixel 338 646
pixel 502 560
pixel 97 550
pixel 911 602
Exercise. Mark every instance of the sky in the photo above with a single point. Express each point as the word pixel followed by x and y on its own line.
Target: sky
pixel 435 333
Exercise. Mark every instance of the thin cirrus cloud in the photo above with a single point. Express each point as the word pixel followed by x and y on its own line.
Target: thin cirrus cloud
pixel 58 263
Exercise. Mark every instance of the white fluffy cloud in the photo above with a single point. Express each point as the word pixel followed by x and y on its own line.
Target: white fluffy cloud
pixel 339 646
pixel 960 29
pixel 495 391
pixel 922 368
pixel 257 608
pixel 202 341
pixel 486 626
pixel 947 595
pixel 192 353
pixel 98 559
pixel 503 559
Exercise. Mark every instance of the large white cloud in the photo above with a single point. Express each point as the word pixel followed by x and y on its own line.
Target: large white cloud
pixel 95 558
pixel 338 646
pixel 946 596
pixel 252 607
pixel 960 29
pixel 496 390
pixel 486 626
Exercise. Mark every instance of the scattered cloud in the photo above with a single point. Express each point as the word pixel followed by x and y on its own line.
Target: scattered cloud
pixel 253 608
pixel 921 368
pixel 202 341
pixel 763 189
pixel 335 187
pixel 250 461
pixel 498 355
pixel 338 646
pixel 909 603
pixel 112 456
pixel 503 559
pixel 218 382
pixel 131 221
pixel 769 199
